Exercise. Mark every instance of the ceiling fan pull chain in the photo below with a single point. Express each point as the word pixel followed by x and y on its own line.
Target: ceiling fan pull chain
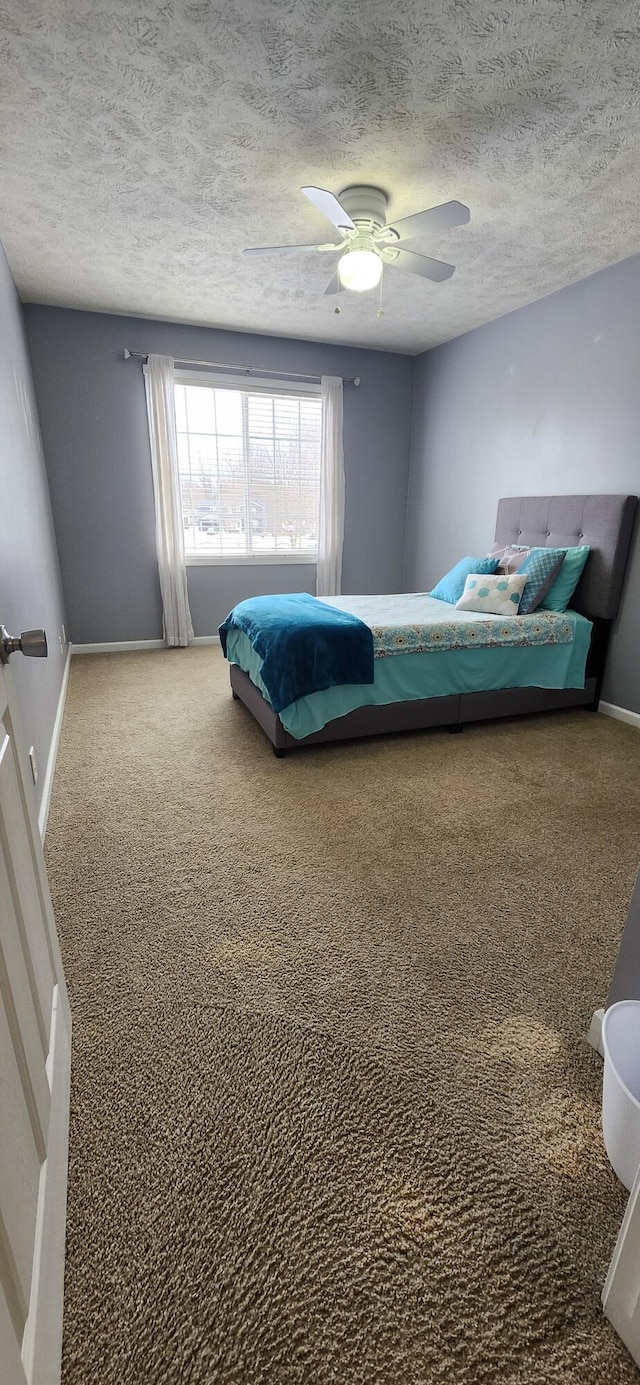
pixel 380 312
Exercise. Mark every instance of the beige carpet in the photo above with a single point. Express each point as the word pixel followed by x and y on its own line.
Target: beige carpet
pixel 334 1116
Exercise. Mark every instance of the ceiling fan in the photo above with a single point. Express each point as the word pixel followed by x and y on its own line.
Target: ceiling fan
pixel 367 243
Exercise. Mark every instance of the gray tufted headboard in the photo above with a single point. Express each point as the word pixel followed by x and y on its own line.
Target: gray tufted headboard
pixel 562 521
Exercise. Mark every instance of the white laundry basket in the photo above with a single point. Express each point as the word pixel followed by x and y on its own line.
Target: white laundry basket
pixel 621 1088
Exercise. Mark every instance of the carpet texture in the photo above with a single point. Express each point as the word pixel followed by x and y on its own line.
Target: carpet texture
pixel 334 1116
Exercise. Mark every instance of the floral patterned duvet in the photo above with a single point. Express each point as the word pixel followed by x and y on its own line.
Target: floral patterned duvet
pixel 414 623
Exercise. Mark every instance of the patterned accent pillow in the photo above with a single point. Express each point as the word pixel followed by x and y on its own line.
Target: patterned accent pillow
pixel 496 596
pixel 542 566
pixel 510 557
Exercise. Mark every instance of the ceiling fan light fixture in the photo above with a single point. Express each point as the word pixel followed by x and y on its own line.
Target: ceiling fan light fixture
pixel 360 270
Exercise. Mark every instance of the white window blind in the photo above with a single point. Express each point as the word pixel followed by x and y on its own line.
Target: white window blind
pixel 249 462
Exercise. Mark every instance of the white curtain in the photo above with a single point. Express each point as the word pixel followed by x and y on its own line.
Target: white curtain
pixel 331 522
pixel 161 411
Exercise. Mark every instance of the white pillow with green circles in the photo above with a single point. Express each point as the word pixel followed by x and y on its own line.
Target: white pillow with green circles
pixel 496 596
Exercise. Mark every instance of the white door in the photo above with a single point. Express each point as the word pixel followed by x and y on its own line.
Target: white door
pixel 35 1050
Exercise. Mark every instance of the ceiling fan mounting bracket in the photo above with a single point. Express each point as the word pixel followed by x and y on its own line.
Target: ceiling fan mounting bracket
pixel 388 235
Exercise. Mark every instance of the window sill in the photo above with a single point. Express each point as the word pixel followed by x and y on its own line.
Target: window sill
pixel 251 560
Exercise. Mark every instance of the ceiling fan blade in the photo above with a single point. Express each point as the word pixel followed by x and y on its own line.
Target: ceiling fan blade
pixel 285 249
pixel 435 219
pixel 412 263
pixel 334 284
pixel 329 205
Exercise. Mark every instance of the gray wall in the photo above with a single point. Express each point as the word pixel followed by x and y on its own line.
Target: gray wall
pixel 30 589
pixel 93 419
pixel 543 401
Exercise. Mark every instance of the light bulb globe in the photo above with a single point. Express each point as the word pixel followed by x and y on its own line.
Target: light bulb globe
pixel 360 270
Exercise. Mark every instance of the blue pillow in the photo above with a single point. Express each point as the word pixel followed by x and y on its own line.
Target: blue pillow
pixel 541 566
pixel 451 587
pixel 559 595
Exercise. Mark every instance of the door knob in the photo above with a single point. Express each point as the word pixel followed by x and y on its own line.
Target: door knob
pixel 31 643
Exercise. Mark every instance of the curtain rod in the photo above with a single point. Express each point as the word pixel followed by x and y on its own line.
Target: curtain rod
pixel 244 369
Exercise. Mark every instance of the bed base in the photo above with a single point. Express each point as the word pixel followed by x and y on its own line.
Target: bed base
pixel 605 523
pixel 452 712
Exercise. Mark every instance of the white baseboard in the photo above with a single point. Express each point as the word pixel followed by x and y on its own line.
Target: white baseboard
pixel 595 1031
pixel 620 714
pixel 116 646
pixel 47 786
pixel 122 646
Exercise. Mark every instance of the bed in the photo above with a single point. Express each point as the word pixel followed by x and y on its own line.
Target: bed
pixel 555 661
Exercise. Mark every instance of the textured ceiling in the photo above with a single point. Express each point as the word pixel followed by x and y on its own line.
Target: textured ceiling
pixel 143 143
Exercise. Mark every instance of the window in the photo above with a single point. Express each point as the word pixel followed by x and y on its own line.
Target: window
pixel 249 463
